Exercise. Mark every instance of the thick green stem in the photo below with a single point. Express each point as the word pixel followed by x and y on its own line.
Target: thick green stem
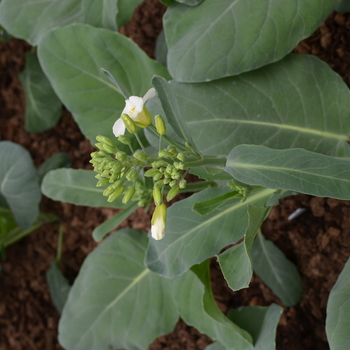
pixel 195 186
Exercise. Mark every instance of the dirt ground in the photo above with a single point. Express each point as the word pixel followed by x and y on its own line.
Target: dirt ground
pixel 318 241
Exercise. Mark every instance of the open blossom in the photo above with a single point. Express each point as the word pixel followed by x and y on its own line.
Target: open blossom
pixel 134 107
pixel 159 222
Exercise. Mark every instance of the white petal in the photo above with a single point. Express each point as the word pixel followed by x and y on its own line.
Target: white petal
pixel 158 229
pixel 149 94
pixel 133 106
pixel 119 128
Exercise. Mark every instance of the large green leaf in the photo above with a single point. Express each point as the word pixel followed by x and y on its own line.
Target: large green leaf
pixel 235 262
pixel 126 9
pixel 260 322
pixel 197 307
pixel 191 238
pixel 43 107
pixel 279 273
pixel 338 312
pixel 31 19
pixel 297 102
pixel 344 6
pixel 76 187
pixel 293 169
pixel 171 108
pixel 221 38
pixel 77 79
pixel 117 303
pixel 100 13
pixel 19 183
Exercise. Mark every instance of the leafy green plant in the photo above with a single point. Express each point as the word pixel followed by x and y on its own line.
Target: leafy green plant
pixel 20 193
pixel 254 122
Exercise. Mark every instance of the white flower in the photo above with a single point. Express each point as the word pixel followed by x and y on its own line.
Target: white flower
pixel 134 107
pixel 159 222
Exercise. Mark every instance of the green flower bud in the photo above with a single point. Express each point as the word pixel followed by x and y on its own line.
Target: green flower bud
pixel 116 194
pixel 121 156
pixel 172 183
pixel 164 154
pixel 166 180
pixel 182 184
pixel 124 139
pixel 172 193
pixel 157 196
pixel 99 146
pixel 128 195
pixel 110 149
pixel 159 163
pixel 140 155
pixel 181 156
pixel 95 155
pixel 108 190
pixel 151 172
pixel 172 150
pixel 102 182
pixel 105 173
pixel 159 184
pixel 175 176
pixel 131 175
pixel 129 123
pixel 105 140
pixel 160 125
pixel 157 176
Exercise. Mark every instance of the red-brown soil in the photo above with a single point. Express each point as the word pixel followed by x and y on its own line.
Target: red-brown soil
pixel 318 241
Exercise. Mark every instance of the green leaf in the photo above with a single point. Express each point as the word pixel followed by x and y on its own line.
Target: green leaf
pixel 338 312
pixel 191 238
pixel 197 307
pixel 76 187
pixel 31 19
pixel 216 346
pixel 235 262
pixel 11 233
pixel 76 77
pixel 211 174
pixel 171 108
pixel 260 322
pixel 161 50
pixel 100 13
pixel 207 206
pixel 116 83
pixel 58 160
pixel 126 9
pixel 43 107
pixel 221 38
pixel 19 183
pixel 344 6
pixel 115 302
pixel 58 286
pixel 293 169
pixel 299 102
pixel 190 2
pixel 101 230
pixel 279 273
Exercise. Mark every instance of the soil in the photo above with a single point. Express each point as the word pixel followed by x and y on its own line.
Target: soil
pixel 318 241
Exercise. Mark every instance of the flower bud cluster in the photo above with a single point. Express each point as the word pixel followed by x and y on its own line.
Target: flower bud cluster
pixel 168 170
pixel 120 171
